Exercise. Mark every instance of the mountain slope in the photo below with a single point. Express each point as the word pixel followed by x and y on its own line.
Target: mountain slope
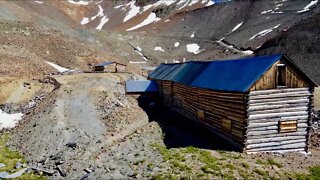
pixel 301 43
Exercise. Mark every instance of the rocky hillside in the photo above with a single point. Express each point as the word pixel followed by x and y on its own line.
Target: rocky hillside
pixel 144 33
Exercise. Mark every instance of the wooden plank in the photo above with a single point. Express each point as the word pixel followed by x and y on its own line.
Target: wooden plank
pixel 272 123
pixel 276 127
pixel 273 144
pixel 255 136
pixel 278 115
pixel 278 151
pixel 282 95
pixel 279 147
pixel 277 110
pixel 273 139
pixel 304 117
pixel 277 91
pixel 278 106
pixel 278 101
pixel 268 132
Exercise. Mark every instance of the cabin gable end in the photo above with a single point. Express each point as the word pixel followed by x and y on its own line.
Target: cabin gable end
pixel 282 74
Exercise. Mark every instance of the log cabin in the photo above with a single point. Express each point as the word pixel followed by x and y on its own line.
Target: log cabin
pixel 258 104
pixel 109 67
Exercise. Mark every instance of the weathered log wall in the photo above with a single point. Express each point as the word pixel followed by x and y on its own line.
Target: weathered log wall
pixel 166 88
pixel 223 112
pixel 267 108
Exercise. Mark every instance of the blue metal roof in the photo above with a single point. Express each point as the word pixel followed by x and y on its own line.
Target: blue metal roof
pixel 229 75
pixel 171 68
pixel 141 86
pixel 234 75
pixel 187 72
pixel 157 71
pixel 104 64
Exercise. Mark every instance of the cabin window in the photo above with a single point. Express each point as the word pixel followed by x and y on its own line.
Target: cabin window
pixel 200 114
pixel 281 75
pixel 287 126
pixel 226 124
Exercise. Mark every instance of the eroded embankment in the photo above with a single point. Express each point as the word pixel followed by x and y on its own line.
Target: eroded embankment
pixel 69 128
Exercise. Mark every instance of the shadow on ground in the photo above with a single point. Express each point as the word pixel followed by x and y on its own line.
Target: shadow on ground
pixel 178 130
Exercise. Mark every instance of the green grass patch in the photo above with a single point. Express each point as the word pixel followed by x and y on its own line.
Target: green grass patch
pixel 261 172
pixel 259 161
pixel 10 159
pixel 150 166
pixel 230 166
pixel 245 165
pixel 273 162
pixel 314 174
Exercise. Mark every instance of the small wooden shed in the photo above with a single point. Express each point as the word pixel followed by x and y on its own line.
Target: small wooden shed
pixel 109 67
pixel 258 104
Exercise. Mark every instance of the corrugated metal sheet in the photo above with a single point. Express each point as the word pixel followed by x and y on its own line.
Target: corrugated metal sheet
pixel 234 75
pixel 104 64
pixel 157 72
pixel 141 86
pixel 171 68
pixel 229 75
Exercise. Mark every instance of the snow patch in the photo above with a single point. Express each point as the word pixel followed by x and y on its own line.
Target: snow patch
pixel 176 44
pixel 264 32
pixel 167 20
pixel 193 48
pixel 266 11
pixel 150 19
pixel 192 35
pixel 81 2
pixel 39 2
pixel 307 8
pixel 184 5
pixel 237 27
pixel 103 21
pixel 277 7
pixel 158 49
pixel 182 1
pixel 228 46
pixel 138 50
pixel 9 120
pixel 193 2
pixel 119 6
pixel 85 20
pixel 210 3
pixel 99 14
pixel 99 2
pixel 247 52
pixel 57 67
pixel 165 3
pixel 134 10
pixel 137 62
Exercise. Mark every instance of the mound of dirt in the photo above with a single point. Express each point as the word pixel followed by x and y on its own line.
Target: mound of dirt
pixel 74 123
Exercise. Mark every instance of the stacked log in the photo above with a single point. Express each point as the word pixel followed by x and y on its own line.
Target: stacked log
pixel 267 109
pixel 185 100
pixel 222 110
pixel 167 93
pixel 218 107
